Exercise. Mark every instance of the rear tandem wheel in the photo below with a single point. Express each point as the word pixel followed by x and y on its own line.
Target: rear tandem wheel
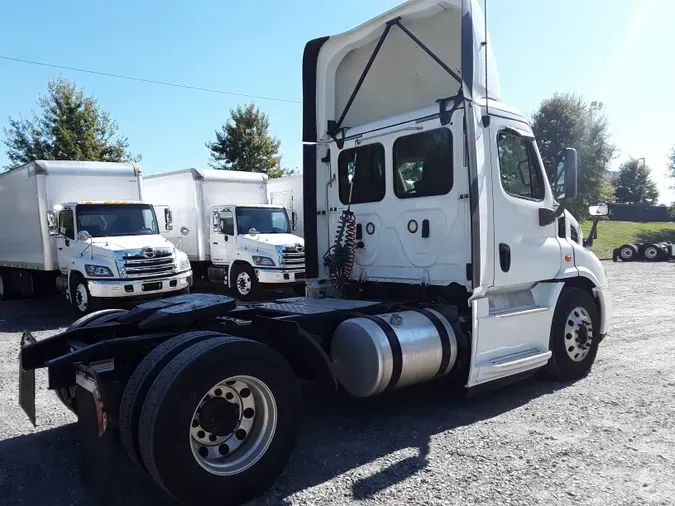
pixel 219 421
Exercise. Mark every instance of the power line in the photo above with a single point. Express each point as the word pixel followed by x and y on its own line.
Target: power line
pixel 149 81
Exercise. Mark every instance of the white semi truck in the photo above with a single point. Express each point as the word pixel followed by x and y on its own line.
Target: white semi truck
pixel 82 228
pixel 232 236
pixel 287 191
pixel 436 250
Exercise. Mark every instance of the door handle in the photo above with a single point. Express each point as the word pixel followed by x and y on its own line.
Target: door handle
pixel 60 249
pixel 215 243
pixel 425 229
pixel 504 257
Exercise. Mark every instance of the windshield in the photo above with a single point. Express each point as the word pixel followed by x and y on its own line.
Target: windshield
pixel 265 220
pixel 110 220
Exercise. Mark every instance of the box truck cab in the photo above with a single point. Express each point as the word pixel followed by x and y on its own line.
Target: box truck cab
pixel 93 250
pixel 222 220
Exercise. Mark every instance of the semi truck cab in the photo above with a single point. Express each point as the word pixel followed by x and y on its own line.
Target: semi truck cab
pixel 113 249
pixel 254 244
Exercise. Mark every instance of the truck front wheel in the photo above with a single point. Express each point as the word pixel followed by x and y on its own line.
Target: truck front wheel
pixel 219 422
pixel 244 282
pixel 80 297
pixel 575 335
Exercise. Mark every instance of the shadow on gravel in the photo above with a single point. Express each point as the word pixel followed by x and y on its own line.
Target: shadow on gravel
pixel 35 314
pixel 42 469
pixel 341 434
pixel 337 435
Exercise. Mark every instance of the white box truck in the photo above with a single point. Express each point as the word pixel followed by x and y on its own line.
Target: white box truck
pixel 469 270
pixel 82 228
pixel 287 191
pixel 232 236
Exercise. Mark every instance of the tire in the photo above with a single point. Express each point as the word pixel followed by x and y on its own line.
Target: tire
pixel 244 282
pixel 628 253
pixel 651 252
pixel 80 297
pixel 67 394
pixel 170 409
pixel 140 382
pixel 572 359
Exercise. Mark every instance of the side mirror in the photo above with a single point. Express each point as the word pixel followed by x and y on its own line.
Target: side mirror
pixel 168 219
pixel 294 220
pixel 565 186
pixel 53 223
pixel 83 236
pixel 598 209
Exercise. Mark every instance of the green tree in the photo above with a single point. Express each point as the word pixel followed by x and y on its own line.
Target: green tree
pixel 671 165
pixel 567 120
pixel 244 143
pixel 69 126
pixel 634 184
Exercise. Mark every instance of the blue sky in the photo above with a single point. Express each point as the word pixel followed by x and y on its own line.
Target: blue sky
pixel 614 51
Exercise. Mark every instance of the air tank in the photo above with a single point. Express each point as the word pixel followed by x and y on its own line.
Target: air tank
pixel 374 354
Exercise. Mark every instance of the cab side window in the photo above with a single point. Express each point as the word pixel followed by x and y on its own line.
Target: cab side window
pixel 423 164
pixel 66 223
pixel 519 168
pixel 366 166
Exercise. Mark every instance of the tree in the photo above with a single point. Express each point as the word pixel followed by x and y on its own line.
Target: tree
pixel 244 143
pixel 671 166
pixel 566 120
pixel 70 126
pixel 635 184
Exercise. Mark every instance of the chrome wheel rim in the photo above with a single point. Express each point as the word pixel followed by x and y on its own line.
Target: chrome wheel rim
pixel 81 297
pixel 651 253
pixel 578 334
pixel 244 283
pixel 626 253
pixel 233 425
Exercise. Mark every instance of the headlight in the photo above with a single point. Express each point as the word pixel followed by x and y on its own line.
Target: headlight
pixel 183 262
pixel 97 271
pixel 262 260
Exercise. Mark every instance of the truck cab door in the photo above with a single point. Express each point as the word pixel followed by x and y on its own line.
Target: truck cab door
pixel 65 240
pixel 525 251
pixel 223 238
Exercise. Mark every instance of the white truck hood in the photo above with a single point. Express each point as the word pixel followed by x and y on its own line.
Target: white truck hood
pixel 268 242
pixel 105 246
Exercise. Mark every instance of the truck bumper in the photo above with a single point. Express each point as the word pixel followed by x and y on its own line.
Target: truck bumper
pixel 123 288
pixel 277 277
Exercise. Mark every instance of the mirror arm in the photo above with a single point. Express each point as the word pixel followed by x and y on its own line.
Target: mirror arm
pixel 548 216
pixel 593 234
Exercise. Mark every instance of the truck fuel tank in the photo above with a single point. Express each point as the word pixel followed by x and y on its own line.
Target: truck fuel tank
pixel 374 354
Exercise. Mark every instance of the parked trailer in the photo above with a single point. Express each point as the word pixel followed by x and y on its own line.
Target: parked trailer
pixel 231 234
pixel 287 191
pixel 457 263
pixel 645 251
pixel 82 228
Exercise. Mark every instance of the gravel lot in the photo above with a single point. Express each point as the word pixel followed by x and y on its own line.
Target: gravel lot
pixel 606 440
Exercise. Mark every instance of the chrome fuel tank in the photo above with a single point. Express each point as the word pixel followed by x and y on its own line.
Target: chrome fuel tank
pixel 373 354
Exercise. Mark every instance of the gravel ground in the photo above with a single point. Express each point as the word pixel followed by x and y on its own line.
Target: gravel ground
pixel 608 439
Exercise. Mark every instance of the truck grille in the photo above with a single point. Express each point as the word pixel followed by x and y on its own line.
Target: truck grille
pixel 292 257
pixel 144 263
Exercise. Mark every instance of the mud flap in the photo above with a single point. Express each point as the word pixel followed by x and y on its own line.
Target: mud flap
pixel 27 381
pixel 97 444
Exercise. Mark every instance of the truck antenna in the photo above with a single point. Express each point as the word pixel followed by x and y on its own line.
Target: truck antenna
pixel 486 118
